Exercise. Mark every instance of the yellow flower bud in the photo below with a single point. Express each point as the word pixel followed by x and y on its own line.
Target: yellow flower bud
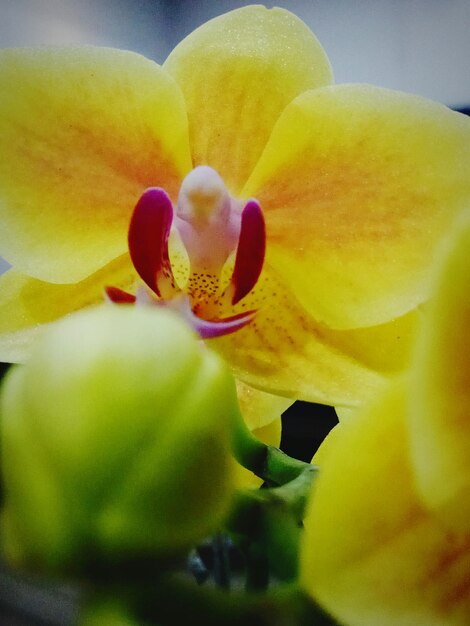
pixel 116 440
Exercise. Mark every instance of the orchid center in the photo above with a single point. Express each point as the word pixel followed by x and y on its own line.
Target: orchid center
pixel 212 226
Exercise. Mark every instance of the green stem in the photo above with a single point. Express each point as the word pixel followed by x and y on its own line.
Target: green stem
pixel 269 520
pixel 267 462
pixel 271 517
pixel 271 529
pixel 257 568
pixel 294 494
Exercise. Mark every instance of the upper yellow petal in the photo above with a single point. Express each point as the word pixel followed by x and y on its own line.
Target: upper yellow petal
pixel 372 554
pixel 439 404
pixel 83 132
pixel 286 351
pixel 237 73
pixel 358 184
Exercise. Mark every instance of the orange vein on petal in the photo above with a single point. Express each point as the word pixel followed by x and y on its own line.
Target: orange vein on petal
pixel 28 304
pixel 237 73
pixel 357 185
pixel 83 131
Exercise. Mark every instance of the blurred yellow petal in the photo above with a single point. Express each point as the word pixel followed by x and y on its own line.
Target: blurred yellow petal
pixel 237 73
pixel 285 351
pixel 28 304
pixel 439 405
pixel 83 132
pixel 372 554
pixel 358 184
pixel 269 434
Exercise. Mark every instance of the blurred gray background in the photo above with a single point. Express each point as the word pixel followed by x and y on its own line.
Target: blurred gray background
pixel 420 46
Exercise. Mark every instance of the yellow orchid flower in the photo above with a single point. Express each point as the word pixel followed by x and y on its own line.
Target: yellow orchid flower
pixel 242 152
pixel 387 536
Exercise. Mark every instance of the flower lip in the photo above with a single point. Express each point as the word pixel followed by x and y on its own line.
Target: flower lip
pixel 212 226
pixel 210 329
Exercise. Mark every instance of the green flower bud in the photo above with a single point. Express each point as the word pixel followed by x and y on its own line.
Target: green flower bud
pixel 115 441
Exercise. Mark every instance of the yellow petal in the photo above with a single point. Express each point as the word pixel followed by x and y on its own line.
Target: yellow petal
pixel 357 184
pixel 259 409
pixel 237 73
pixel 372 554
pixel 386 347
pixel 83 132
pixel 27 305
pixel 440 401
pixel 285 351
pixel 345 412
